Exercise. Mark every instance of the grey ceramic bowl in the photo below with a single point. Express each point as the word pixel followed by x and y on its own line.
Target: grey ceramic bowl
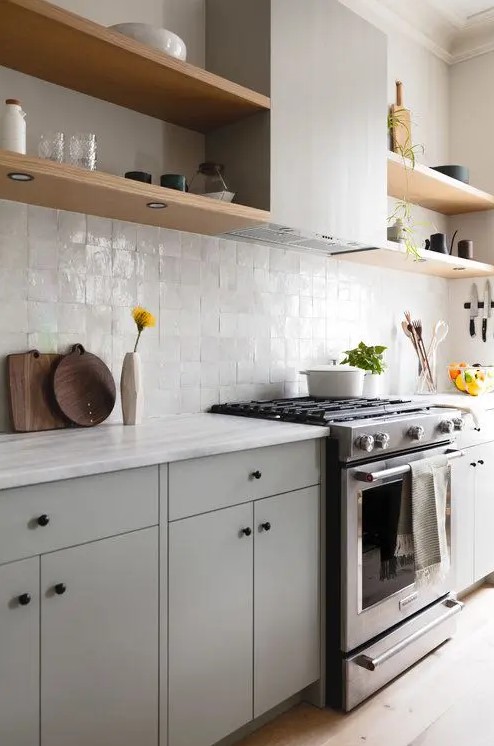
pixel 460 173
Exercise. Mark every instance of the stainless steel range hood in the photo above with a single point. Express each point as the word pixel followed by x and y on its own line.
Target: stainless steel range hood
pixel 291 238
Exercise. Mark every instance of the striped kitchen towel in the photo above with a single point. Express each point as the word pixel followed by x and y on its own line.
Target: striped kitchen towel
pixel 422 522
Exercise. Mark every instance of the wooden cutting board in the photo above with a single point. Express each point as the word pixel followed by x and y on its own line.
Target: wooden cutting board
pixel 401 131
pixel 32 402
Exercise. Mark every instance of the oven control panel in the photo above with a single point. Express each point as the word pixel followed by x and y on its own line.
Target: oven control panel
pixel 396 433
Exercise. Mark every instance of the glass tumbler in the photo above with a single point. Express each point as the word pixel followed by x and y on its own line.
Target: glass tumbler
pixel 51 146
pixel 82 150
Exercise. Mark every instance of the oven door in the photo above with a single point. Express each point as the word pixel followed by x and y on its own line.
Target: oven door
pixel 377 591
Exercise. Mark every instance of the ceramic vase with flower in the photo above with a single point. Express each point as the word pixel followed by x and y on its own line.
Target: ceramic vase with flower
pixel 131 388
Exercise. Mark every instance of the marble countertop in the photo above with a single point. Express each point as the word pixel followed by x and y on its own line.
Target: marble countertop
pixel 32 458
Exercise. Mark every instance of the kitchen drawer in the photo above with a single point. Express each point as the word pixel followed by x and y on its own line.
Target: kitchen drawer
pixel 78 510
pixel 213 482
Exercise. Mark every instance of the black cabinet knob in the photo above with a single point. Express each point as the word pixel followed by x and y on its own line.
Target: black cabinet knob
pixel 24 599
pixel 60 589
pixel 473 463
pixel 266 526
pixel 480 462
pixel 256 474
pixel 246 531
pixel 43 520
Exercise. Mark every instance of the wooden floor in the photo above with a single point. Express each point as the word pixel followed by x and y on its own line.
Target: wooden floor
pixel 447 699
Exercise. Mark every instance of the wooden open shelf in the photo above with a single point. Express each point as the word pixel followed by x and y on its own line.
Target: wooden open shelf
pixel 41 39
pixel 423 186
pixel 394 256
pixel 95 193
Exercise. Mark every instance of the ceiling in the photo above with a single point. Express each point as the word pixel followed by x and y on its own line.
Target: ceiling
pixel 454 30
pixel 465 9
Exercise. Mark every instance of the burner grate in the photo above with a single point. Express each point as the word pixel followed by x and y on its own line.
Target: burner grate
pixel 309 410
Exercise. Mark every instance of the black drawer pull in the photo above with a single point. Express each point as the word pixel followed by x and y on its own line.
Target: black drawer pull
pixel 473 463
pixel 480 462
pixel 60 589
pixel 256 474
pixel 246 531
pixel 24 599
pixel 43 520
pixel 265 526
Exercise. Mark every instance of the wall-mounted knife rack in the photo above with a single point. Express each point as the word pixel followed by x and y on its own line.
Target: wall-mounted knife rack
pixel 480 304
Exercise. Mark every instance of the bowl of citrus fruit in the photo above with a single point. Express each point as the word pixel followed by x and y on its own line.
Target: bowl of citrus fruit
pixel 472 379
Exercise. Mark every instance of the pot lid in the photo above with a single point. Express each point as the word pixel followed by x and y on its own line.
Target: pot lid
pixel 334 369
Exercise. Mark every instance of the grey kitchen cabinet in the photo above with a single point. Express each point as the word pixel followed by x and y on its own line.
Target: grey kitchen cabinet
pixel 210 597
pixel 19 653
pixel 99 643
pixel 244 627
pixel 318 160
pixel 483 455
pixel 473 515
pixel 463 519
pixel 286 596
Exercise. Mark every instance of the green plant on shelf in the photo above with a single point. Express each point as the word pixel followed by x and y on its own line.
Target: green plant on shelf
pixel 403 208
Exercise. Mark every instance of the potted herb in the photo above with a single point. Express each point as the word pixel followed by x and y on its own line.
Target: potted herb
pixel 371 360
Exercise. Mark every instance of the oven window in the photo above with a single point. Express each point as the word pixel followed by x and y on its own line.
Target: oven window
pixel 383 573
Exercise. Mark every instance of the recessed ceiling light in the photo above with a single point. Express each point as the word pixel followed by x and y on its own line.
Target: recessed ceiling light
pixel 156 205
pixel 15 176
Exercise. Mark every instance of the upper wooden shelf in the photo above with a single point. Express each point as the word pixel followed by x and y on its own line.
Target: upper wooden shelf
pixel 424 186
pixel 394 256
pixel 66 187
pixel 41 39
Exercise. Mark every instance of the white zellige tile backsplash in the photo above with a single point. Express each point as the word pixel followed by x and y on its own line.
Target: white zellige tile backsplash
pixel 234 320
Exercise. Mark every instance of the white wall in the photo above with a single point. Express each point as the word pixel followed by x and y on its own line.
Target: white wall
pixel 472 118
pixel 126 140
pixel 426 94
pixel 234 321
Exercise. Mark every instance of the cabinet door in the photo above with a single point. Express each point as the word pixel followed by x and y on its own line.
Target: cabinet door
pixel 99 643
pixel 286 596
pixel 462 518
pixel 210 626
pixel 328 120
pixel 19 653
pixel 484 510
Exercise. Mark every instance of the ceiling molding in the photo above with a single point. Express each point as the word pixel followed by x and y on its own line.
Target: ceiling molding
pixel 432 24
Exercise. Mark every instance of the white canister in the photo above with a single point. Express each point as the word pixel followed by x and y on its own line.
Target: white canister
pixel 13 127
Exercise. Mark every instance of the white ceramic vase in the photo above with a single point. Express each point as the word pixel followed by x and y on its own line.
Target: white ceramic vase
pixel 372 385
pixel 131 390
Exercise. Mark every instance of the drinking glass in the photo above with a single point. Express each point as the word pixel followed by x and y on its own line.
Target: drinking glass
pixel 82 150
pixel 51 146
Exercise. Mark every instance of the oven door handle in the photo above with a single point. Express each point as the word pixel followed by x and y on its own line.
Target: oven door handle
pixel 365 661
pixel 396 471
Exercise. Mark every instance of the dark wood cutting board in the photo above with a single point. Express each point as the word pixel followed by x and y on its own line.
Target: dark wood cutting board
pixel 32 402
pixel 84 388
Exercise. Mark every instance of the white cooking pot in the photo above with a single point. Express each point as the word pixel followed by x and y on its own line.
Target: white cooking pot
pixel 335 381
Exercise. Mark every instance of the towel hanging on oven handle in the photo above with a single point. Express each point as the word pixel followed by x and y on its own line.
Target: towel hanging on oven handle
pixel 396 471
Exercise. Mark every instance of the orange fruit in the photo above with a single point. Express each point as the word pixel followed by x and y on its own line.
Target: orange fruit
pixel 455 370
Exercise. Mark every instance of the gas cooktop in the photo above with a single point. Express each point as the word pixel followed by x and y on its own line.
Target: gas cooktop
pixel 319 411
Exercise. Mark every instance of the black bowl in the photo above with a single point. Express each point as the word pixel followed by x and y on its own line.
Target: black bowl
pixel 460 173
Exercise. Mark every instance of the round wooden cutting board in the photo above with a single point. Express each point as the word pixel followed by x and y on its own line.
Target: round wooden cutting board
pixel 84 388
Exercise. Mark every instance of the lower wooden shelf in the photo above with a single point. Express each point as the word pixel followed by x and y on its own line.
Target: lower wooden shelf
pixel 65 187
pixel 394 256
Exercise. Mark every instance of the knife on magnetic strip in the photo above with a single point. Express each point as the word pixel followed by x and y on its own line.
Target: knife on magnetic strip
pixel 487 309
pixel 474 309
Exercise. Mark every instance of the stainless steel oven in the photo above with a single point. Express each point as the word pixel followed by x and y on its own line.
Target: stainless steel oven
pixel 373 602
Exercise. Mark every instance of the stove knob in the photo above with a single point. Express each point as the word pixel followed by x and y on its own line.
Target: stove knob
pixel 382 440
pixel 459 423
pixel 365 443
pixel 446 426
pixel 416 432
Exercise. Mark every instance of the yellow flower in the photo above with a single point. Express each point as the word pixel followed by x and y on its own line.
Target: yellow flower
pixel 142 318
